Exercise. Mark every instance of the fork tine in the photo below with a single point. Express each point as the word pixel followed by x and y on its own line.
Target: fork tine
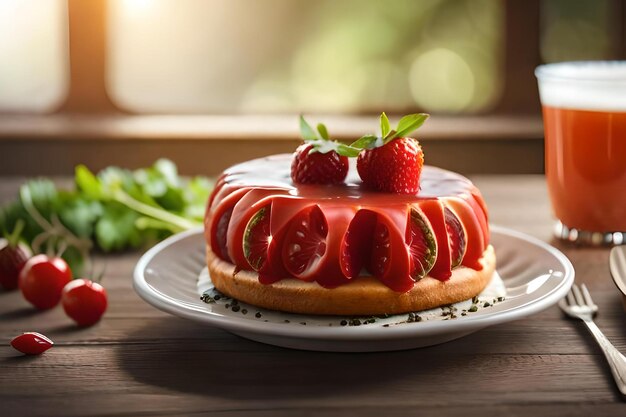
pixel 570 298
pixel 588 299
pixel 563 304
pixel 579 297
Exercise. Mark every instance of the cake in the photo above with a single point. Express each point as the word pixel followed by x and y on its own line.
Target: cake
pixel 342 247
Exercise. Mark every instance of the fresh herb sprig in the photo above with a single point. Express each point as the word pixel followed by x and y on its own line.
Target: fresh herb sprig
pixel 407 125
pixel 321 141
pixel 113 210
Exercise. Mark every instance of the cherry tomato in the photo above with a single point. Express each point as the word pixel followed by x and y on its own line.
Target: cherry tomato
pixel 84 301
pixel 42 280
pixel 31 343
pixel 12 260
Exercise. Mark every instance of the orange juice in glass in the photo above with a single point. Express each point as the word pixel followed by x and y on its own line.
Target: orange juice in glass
pixel 584 117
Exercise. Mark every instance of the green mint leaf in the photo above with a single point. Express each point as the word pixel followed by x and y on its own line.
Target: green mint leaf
pixel 306 131
pixel 324 146
pixel 365 142
pixel 347 150
pixel 410 123
pixel 323 131
pixel 384 124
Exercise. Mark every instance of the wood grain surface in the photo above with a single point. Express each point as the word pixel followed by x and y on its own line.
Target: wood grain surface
pixel 140 361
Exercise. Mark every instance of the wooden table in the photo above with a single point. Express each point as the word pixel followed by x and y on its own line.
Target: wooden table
pixel 140 361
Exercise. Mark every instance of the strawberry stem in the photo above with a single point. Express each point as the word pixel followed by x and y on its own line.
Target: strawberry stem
pixel 321 128
pixel 389 136
pixel 384 125
pixel 306 131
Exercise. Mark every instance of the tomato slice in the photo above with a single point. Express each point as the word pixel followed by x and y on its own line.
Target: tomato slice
pixel 243 211
pixel 260 246
pixel 481 215
pixel 390 260
pixel 456 237
pixel 355 247
pixel 422 244
pixel 257 237
pixel 475 242
pixel 433 209
pixel 380 261
pixel 219 183
pixel 478 198
pixel 305 243
pixel 218 220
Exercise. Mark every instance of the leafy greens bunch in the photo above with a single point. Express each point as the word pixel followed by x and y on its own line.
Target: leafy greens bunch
pixel 112 210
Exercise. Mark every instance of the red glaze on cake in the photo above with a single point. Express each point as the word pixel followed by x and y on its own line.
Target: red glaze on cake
pixel 331 234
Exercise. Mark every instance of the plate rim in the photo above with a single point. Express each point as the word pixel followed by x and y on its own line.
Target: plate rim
pixel 183 309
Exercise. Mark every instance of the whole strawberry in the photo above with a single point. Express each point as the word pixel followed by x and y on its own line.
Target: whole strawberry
pixel 394 162
pixel 320 160
pixel 395 167
pixel 13 256
pixel 312 167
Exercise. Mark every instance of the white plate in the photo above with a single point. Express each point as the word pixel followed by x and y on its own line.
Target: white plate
pixel 172 277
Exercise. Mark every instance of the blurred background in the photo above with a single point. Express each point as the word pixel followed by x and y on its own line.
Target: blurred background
pixel 211 82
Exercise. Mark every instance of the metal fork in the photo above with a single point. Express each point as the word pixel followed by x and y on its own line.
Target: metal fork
pixel 579 305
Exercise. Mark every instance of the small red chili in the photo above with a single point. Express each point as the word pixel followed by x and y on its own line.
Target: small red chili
pixel 31 343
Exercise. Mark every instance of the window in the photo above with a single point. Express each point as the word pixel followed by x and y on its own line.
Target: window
pixel 278 56
pixel 575 30
pixel 34 69
pixel 289 56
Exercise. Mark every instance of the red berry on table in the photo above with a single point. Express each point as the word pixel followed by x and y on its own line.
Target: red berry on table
pixel 84 301
pixel 42 280
pixel 394 167
pixel 313 167
pixel 12 260
pixel 31 343
pixel 13 256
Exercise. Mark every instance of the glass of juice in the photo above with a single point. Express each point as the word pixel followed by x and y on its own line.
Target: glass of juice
pixel 584 117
